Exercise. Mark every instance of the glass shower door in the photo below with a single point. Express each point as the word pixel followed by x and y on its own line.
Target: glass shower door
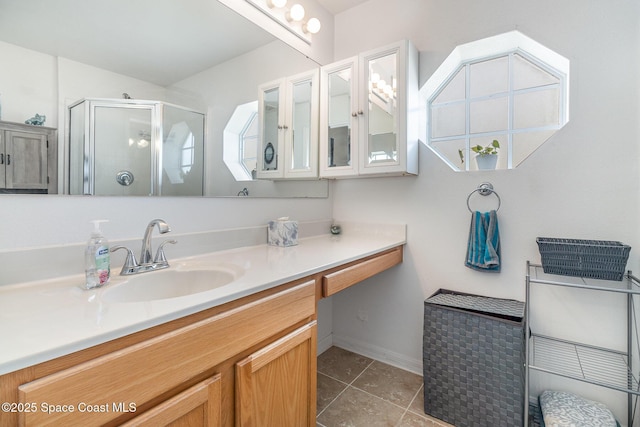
pixel 182 152
pixel 123 147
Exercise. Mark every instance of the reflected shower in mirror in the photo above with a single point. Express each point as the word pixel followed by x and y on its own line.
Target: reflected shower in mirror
pixel 135 148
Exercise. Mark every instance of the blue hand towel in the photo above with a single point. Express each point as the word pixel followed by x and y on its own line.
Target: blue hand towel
pixel 483 250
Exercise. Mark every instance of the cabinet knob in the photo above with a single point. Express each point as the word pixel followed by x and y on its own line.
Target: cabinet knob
pixel 360 113
pixel 354 114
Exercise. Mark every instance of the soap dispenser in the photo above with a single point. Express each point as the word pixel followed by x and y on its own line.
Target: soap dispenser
pixel 96 258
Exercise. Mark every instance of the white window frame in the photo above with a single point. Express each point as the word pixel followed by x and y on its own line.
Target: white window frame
pixel 504 45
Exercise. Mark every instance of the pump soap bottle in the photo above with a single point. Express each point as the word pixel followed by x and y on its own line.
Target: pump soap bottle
pixel 96 258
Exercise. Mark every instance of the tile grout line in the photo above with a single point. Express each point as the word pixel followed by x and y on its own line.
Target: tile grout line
pixel 344 389
pixel 409 405
pixel 406 409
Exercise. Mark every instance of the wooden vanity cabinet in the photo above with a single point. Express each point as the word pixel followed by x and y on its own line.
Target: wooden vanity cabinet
pixel 276 385
pixel 250 362
pixel 182 373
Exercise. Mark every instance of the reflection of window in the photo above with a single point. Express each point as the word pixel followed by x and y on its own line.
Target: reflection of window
pixel 188 153
pixel 506 88
pixel 178 152
pixel 240 138
pixel 248 144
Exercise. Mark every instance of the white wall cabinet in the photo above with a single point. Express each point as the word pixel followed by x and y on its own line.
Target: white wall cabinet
pixel 288 127
pixel 369 115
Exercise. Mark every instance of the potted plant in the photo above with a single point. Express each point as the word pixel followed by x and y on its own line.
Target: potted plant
pixel 487 157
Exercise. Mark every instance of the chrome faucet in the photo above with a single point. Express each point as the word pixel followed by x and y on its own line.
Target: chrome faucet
pixel 132 266
pixel 147 253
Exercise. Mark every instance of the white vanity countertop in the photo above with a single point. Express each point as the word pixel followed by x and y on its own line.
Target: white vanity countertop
pixel 47 319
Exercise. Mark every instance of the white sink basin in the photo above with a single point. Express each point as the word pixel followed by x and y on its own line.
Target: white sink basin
pixel 170 283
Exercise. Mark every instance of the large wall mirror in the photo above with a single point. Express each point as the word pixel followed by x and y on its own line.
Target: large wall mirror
pixel 198 54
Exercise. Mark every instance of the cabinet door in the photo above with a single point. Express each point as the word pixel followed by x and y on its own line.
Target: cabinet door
pixel 390 125
pixel 380 142
pixel 2 161
pixel 339 119
pixel 197 406
pixel 301 125
pixel 271 111
pixel 25 159
pixel 276 386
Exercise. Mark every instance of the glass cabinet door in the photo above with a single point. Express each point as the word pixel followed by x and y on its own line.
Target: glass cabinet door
pixel 340 113
pixel 301 126
pixel 381 120
pixel 270 112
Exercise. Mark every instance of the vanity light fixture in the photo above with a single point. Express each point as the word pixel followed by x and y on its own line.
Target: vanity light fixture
pixel 312 26
pixel 291 18
pixel 296 13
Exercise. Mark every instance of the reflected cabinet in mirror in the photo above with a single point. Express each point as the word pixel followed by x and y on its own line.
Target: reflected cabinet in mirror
pixel 369 123
pixel 135 148
pixel 288 127
pixel 28 159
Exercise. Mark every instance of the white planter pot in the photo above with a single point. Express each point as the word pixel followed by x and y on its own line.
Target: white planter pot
pixel 487 161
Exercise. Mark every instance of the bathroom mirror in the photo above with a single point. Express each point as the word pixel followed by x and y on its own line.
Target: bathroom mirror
pixel 192 53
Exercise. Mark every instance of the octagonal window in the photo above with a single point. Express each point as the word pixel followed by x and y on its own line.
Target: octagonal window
pixel 240 138
pixel 494 101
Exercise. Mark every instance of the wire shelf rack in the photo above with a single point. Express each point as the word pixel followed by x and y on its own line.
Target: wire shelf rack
pixel 605 367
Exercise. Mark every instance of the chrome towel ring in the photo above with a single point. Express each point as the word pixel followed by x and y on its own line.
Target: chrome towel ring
pixel 484 189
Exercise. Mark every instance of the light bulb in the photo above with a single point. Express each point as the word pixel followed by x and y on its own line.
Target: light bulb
pixel 312 26
pixel 296 13
pixel 277 3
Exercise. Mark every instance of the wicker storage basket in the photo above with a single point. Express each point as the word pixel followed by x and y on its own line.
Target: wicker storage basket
pixel 596 259
pixel 473 354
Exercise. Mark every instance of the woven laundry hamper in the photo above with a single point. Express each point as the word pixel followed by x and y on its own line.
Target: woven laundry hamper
pixel 473 358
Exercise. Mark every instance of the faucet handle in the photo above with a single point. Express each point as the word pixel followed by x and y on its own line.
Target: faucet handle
pixel 130 262
pixel 160 256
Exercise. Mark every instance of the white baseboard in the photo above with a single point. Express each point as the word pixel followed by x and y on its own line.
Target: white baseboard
pixel 374 352
pixel 324 344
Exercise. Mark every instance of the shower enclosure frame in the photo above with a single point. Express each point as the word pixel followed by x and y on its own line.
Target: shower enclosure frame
pixel 156 109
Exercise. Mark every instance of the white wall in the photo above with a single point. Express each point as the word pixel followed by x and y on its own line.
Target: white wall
pixel 28 84
pixel 583 183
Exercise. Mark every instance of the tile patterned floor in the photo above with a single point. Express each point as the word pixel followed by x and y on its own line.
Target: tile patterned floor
pixel 355 391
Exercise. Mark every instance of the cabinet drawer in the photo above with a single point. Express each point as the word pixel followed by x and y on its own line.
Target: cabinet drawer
pixel 143 371
pixel 342 279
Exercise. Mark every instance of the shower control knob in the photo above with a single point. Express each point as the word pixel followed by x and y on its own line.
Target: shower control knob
pixel 124 178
